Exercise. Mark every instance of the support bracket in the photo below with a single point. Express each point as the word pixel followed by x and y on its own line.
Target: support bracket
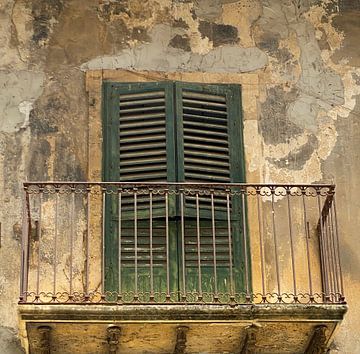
pixel 44 342
pixel 113 335
pixel 317 344
pixel 181 338
pixel 249 342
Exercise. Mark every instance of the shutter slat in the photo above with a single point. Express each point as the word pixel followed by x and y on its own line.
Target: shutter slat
pixel 148 131
pixel 140 95
pixel 209 112
pixel 131 111
pixel 214 105
pixel 142 146
pixel 142 124
pixel 198 177
pixel 203 96
pixel 208 126
pixel 153 101
pixel 205 119
pixel 140 154
pixel 144 168
pixel 138 161
pixel 204 147
pixel 132 117
pixel 192 160
pixel 199 130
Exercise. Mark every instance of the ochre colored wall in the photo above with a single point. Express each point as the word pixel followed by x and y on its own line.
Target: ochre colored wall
pixel 304 126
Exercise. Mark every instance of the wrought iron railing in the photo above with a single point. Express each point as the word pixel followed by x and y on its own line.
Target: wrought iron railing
pixel 176 243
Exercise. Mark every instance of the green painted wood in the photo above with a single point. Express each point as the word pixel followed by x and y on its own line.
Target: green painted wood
pixel 232 97
pixel 175 135
pixel 112 93
pixel 110 173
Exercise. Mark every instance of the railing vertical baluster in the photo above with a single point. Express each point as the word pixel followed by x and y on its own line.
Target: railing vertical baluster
pixel 288 191
pixel 24 247
pixel 136 294
pixel 87 271
pixel 262 259
pixel 119 245
pixel 213 229
pixel 322 248
pixel 72 212
pixel 39 232
pixel 342 295
pixel 183 260
pixel 55 241
pixel 331 256
pixel 168 297
pixel 244 227
pixel 228 213
pixel 307 236
pixel 200 295
pixel 152 298
pixel 275 244
pixel 103 195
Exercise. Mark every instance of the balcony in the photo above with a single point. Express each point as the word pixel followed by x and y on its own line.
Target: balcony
pixel 175 268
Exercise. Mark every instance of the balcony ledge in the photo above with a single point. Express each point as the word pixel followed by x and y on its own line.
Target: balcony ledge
pixel 193 313
pixel 270 328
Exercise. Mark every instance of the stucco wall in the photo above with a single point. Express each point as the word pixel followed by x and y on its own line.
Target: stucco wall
pixel 305 54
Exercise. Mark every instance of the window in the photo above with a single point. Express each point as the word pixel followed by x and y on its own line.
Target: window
pixel 170 132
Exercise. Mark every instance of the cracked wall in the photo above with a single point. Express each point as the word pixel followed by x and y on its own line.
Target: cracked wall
pixel 304 52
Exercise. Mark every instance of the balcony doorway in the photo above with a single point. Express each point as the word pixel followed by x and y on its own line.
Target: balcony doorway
pixel 177 231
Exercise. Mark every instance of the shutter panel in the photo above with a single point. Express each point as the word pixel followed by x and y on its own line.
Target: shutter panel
pixel 205 137
pixel 140 146
pixel 142 132
pixel 143 137
pixel 209 138
pixel 209 150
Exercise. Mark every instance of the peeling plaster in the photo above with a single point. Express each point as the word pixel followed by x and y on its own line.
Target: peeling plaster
pixel 320 90
pixel 16 87
pixel 158 56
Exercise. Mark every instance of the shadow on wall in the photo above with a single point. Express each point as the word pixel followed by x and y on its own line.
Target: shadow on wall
pixel 9 343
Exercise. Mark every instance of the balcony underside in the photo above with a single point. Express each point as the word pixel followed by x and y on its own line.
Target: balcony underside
pixel 275 328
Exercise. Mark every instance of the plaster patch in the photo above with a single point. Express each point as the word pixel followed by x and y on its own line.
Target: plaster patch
pixel 18 90
pixel 26 107
pixel 320 91
pixel 157 56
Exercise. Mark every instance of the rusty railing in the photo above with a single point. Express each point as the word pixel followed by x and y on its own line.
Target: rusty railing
pixel 176 243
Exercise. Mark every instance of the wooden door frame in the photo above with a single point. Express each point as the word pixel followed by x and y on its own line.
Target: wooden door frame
pixel 253 147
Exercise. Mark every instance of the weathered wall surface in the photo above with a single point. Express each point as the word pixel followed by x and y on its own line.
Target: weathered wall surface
pixel 307 58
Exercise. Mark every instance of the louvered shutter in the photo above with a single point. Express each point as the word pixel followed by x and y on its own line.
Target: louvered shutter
pixel 158 132
pixel 139 146
pixel 208 125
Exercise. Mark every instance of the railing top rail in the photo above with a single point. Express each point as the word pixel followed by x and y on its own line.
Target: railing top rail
pixel 187 184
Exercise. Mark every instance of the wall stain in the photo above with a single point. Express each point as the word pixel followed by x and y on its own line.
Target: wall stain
pixel 296 159
pixel 44 12
pixel 274 125
pixel 219 34
pixel 180 42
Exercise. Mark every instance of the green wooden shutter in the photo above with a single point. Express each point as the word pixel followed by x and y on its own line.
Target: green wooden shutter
pixel 157 132
pixel 210 149
pixel 139 146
